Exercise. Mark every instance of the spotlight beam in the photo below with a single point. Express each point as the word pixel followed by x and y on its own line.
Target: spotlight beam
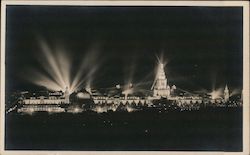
pixel 57 64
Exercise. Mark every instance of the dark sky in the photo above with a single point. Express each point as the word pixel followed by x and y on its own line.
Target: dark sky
pixel 202 45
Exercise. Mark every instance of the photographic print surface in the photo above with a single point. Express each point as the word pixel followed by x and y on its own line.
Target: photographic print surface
pixel 124 78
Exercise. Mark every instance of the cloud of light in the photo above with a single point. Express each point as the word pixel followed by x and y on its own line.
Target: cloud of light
pixel 87 69
pixel 129 71
pixel 160 60
pixel 217 94
pixel 57 65
pixel 235 92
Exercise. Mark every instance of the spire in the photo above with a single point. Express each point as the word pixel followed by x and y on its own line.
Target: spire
pixel 226 94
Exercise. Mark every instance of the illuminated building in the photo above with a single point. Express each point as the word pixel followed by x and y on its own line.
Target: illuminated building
pixel 160 86
pixel 121 98
pixel 44 101
pixel 56 97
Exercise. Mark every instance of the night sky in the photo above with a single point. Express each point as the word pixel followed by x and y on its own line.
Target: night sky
pixel 202 45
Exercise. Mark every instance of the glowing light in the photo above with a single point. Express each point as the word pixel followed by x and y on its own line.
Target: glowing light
pixel 235 92
pixel 88 89
pixel 82 95
pixel 130 109
pixel 129 71
pixel 49 110
pixel 216 94
pixel 127 92
pixel 118 86
pixel 99 109
pixel 87 69
pixel 113 108
pixel 75 110
pixel 30 111
pixel 57 65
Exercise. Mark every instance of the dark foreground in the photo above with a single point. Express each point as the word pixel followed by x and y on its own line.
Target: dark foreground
pixel 210 129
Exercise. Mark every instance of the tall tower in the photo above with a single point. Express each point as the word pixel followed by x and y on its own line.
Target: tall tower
pixel 160 86
pixel 226 94
pixel 66 94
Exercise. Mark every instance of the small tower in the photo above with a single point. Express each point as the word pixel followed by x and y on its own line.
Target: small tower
pixel 66 94
pixel 226 94
pixel 160 86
